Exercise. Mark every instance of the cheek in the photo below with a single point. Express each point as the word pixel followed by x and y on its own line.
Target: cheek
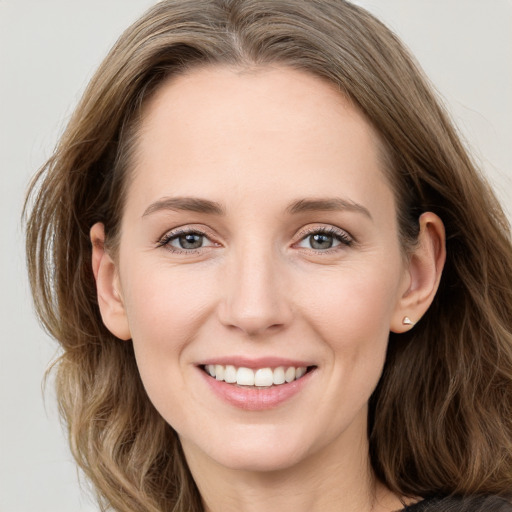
pixel 165 309
pixel 355 301
pixel 352 313
pixel 353 319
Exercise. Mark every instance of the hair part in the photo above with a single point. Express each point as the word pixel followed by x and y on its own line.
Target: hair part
pixel 441 416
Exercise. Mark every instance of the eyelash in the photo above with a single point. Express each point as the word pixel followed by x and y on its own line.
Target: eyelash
pixel 166 240
pixel 341 236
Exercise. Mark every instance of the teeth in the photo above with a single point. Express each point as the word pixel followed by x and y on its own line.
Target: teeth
pixel 262 377
pixel 230 374
pixel 245 377
pixel 219 372
pixel 299 372
pixel 289 375
pixel 278 376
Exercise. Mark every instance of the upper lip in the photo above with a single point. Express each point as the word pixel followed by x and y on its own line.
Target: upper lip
pixel 254 363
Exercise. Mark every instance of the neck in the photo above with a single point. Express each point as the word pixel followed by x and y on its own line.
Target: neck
pixel 336 478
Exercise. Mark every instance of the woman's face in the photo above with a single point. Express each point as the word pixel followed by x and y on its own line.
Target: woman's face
pixel 259 233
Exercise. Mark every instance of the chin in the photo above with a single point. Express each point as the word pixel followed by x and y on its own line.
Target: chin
pixel 260 453
pixel 259 462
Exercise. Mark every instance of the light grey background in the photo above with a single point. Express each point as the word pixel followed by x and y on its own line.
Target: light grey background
pixel 48 50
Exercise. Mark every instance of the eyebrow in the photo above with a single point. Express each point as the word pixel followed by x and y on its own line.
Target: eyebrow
pixel 190 204
pixel 327 204
pixel 199 205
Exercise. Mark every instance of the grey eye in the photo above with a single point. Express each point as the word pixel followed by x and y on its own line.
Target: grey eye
pixel 325 239
pixel 188 241
pixel 184 241
pixel 321 241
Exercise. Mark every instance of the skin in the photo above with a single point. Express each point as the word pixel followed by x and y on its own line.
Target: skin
pixel 254 142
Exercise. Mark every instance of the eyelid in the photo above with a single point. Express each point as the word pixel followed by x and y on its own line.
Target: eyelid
pixel 172 234
pixel 345 238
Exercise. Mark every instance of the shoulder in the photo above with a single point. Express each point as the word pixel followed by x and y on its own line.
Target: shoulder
pixel 462 504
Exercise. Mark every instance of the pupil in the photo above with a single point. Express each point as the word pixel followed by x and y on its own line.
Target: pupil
pixel 321 241
pixel 191 241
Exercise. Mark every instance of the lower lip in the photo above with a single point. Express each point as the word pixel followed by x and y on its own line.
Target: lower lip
pixel 256 399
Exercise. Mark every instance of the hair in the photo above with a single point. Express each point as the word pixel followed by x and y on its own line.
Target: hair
pixel 440 418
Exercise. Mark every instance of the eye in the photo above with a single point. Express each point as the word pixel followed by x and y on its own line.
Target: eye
pixel 188 241
pixel 325 239
pixel 185 240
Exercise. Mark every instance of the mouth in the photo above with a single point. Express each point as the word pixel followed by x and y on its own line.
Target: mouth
pixel 257 378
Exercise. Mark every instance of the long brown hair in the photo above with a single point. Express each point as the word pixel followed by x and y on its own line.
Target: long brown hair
pixel 441 416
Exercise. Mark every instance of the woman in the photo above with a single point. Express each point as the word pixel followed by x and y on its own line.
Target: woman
pixel 277 278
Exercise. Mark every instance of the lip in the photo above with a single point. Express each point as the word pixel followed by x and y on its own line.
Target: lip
pixel 256 399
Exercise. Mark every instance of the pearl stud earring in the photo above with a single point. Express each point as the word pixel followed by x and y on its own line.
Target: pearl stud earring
pixel 407 321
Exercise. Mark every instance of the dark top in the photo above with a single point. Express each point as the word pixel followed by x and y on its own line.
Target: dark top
pixel 459 504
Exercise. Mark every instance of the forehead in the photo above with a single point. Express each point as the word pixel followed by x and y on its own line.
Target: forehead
pixel 220 130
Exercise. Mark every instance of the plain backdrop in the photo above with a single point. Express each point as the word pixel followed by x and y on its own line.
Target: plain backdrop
pixel 48 51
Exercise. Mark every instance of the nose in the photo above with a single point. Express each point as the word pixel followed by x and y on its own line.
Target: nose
pixel 255 299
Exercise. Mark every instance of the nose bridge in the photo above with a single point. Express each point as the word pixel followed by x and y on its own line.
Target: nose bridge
pixel 255 298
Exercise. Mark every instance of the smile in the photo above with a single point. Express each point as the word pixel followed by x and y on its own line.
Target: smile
pixel 259 377
pixel 257 386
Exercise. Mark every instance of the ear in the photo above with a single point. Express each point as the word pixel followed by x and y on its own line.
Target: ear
pixel 423 274
pixel 108 287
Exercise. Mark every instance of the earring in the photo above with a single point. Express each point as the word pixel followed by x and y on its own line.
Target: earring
pixel 407 321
